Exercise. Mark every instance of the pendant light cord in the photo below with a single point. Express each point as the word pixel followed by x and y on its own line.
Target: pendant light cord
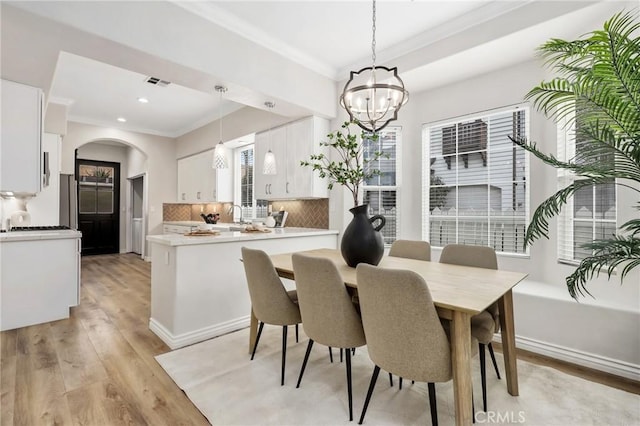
pixel 373 39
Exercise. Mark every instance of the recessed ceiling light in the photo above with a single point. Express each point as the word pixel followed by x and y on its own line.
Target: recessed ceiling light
pixel 143 100
pixel 122 119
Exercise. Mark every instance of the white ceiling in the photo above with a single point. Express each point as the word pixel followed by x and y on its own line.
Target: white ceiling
pixel 327 37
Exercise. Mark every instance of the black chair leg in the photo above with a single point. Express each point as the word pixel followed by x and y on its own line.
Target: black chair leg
pixel 340 354
pixel 390 379
pixel 255 345
pixel 400 386
pixel 284 352
pixel 304 363
pixel 331 354
pixel 347 353
pixel 372 385
pixel 296 333
pixel 432 404
pixel 483 375
pixel 493 358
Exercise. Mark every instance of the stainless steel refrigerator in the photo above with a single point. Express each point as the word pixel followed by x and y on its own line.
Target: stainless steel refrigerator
pixel 68 201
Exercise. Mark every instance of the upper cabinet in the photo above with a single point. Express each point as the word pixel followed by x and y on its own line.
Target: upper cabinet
pixel 21 142
pixel 291 143
pixel 198 182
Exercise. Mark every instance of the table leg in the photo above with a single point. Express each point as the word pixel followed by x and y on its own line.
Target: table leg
pixel 505 304
pixel 461 360
pixel 253 330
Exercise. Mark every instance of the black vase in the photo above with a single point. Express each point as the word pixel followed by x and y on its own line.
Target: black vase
pixel 361 241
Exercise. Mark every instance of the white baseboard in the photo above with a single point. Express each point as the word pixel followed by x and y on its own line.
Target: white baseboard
pixel 585 359
pixel 186 339
pixel 147 258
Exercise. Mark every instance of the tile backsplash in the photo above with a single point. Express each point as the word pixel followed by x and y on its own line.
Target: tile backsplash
pixel 302 213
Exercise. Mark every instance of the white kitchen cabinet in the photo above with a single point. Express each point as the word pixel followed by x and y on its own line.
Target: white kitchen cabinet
pixel 21 141
pixel 32 295
pixel 292 143
pixel 44 208
pixel 198 182
pixel 268 187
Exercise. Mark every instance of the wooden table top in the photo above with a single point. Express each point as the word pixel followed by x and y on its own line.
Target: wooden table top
pixel 459 288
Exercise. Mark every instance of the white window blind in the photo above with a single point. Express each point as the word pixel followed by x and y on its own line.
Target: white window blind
pixel 381 192
pixel 475 181
pixel 591 213
pixel 251 208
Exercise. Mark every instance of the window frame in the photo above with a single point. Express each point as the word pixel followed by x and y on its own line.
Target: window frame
pixel 426 174
pixel 398 183
pixel 566 150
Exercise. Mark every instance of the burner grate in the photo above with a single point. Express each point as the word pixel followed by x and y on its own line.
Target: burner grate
pixel 40 228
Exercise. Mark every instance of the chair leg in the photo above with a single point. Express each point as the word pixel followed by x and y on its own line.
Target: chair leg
pixel 400 385
pixel 284 352
pixel 255 345
pixel 304 363
pixel 349 390
pixel 372 385
pixel 340 354
pixel 390 379
pixel 432 404
pixel 297 333
pixel 330 354
pixel 483 375
pixel 493 358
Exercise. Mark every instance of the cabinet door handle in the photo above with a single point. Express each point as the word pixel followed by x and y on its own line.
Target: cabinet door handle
pixel 287 188
pixel 266 191
pixel 269 188
pixel 183 195
pixel 198 195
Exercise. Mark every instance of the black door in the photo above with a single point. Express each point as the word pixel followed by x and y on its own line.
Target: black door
pixel 99 206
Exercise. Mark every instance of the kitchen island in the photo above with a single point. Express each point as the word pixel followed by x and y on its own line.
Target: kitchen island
pixel 198 285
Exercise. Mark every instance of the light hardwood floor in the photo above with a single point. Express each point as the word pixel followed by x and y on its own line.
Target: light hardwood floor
pixel 98 366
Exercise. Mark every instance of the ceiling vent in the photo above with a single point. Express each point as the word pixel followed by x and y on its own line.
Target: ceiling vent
pixel 157 82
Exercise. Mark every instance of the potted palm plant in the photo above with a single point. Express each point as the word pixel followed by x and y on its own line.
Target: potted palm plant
pixel 598 86
pixel 361 241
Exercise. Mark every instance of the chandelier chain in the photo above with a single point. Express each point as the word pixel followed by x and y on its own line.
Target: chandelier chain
pixel 373 39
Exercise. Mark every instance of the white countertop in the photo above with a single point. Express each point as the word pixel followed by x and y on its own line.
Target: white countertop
pixel 39 235
pixel 226 237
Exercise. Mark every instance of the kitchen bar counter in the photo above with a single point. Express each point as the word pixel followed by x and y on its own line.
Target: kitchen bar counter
pixel 226 236
pixel 198 285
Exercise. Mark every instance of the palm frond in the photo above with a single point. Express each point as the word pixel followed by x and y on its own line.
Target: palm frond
pixel 607 254
pixel 549 208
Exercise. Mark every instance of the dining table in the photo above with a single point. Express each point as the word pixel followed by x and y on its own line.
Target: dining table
pixel 458 292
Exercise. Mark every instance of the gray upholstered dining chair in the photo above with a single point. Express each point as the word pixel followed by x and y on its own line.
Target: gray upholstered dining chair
pixel 487 322
pixel 409 342
pixel 328 315
pixel 270 301
pixel 411 249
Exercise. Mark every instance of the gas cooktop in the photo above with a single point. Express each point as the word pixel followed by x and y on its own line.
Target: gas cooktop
pixel 38 228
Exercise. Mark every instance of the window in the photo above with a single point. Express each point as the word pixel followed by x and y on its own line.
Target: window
pixel 96 192
pixel 381 192
pixel 475 181
pixel 591 213
pixel 251 208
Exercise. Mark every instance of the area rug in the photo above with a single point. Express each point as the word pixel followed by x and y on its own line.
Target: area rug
pixel 229 389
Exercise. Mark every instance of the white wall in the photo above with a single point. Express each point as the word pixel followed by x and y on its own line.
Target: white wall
pixel 157 158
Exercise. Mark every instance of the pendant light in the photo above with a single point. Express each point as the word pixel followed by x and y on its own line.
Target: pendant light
pixel 374 95
pixel 269 165
pixel 219 153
